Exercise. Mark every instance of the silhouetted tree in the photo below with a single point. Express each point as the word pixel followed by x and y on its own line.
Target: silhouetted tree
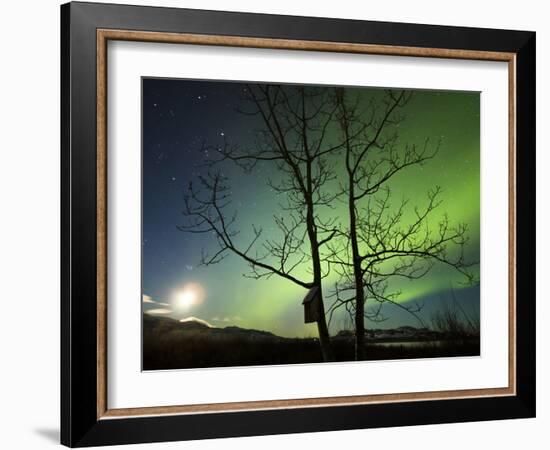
pixel 378 244
pixel 306 134
pixel 297 123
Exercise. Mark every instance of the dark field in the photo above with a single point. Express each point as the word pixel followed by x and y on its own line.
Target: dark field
pixel 169 344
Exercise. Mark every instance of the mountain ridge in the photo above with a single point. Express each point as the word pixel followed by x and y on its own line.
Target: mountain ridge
pixel 402 333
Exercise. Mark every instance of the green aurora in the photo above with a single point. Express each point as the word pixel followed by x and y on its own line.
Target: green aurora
pixel 174 126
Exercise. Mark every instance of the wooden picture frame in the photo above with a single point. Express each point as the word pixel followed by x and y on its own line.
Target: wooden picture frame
pixel 86 418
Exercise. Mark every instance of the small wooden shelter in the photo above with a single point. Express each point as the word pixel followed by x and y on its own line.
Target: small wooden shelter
pixel 311 304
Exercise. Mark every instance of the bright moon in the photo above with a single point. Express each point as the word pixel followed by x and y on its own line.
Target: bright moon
pixel 191 295
pixel 186 299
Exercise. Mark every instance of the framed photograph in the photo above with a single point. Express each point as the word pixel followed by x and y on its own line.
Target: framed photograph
pixel 276 224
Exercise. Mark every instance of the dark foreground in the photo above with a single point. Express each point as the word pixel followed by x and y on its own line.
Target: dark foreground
pixel 169 344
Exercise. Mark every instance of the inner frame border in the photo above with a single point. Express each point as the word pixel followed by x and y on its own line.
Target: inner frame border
pixel 104 35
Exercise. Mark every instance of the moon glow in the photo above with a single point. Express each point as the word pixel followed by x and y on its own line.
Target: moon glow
pixel 190 295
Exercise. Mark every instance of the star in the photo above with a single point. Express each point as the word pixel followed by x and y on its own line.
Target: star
pixel 222 134
pixel 173 178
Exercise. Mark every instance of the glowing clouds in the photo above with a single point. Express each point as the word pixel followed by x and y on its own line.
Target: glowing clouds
pixel 159 311
pixel 148 299
pixel 191 295
pixel 154 307
pixel 196 320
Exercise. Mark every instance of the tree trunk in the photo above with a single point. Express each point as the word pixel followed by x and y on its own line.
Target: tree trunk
pixel 358 279
pixel 324 337
pixel 359 317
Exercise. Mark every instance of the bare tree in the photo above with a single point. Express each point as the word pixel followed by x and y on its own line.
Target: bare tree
pixel 378 244
pixel 296 125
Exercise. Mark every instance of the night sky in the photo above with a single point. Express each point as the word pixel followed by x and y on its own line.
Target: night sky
pixel 180 115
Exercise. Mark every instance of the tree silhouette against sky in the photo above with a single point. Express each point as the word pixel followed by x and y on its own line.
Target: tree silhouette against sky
pixel 307 133
pixel 377 244
pixel 295 137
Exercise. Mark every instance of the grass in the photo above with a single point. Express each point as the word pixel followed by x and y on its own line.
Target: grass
pixel 168 344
